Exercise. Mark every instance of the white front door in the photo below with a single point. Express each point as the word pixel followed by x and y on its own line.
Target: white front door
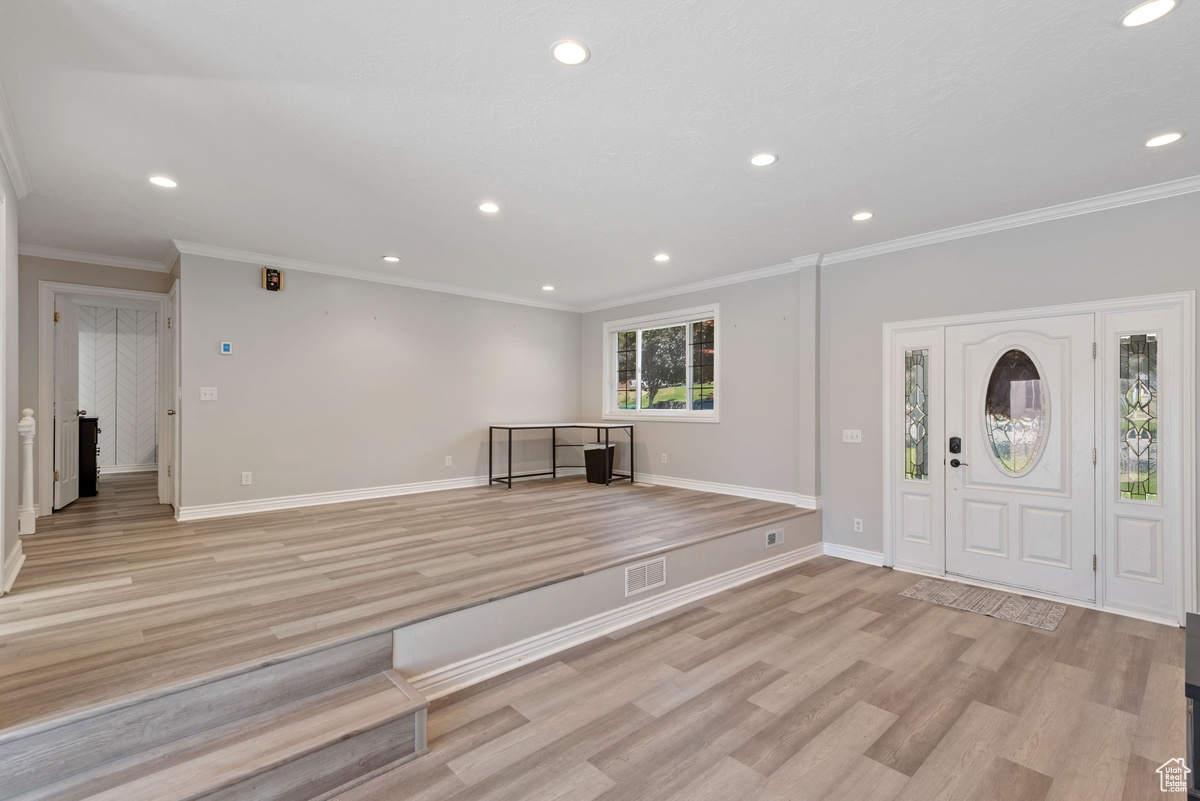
pixel 1020 493
pixel 66 401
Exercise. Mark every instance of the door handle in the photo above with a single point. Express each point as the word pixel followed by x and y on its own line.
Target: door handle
pixel 80 412
pixel 170 411
pixel 957 463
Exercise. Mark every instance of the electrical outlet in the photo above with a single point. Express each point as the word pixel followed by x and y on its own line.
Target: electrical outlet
pixel 774 537
pixel 449 461
pixel 246 478
pixel 664 458
pixel 852 435
pixel 858 524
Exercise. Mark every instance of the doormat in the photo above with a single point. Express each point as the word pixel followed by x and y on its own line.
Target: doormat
pixel 1000 605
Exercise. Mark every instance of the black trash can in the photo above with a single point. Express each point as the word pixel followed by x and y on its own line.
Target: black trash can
pixel 599 468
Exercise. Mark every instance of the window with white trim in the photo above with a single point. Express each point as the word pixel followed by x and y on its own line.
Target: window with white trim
pixel 662 366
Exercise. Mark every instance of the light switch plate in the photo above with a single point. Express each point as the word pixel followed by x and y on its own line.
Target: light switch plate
pixel 208 393
pixel 852 435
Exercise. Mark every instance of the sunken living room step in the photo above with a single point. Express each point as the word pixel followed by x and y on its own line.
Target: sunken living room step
pixel 297 751
pixel 264 713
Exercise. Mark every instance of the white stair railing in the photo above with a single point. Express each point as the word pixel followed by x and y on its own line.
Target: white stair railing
pixel 27 428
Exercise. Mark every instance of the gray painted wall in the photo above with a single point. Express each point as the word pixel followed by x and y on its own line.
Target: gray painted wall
pixel 336 384
pixel 1143 249
pixel 10 446
pixel 34 269
pixel 766 437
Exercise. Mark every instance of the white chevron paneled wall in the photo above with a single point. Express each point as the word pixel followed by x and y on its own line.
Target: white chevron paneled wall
pixel 118 365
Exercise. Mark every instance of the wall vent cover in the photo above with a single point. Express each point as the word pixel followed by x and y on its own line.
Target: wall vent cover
pixel 774 537
pixel 646 576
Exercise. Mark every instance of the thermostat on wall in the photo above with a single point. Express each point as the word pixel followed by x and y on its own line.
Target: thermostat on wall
pixel 226 348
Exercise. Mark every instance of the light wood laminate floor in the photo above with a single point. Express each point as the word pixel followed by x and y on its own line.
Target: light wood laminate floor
pixel 818 683
pixel 117 599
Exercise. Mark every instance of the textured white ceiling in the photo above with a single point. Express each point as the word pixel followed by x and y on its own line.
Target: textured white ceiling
pixel 337 132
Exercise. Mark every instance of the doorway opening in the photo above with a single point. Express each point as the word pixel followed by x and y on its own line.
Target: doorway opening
pixel 107 362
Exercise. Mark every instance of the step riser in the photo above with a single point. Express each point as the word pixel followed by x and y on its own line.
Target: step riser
pixel 46 757
pixel 339 766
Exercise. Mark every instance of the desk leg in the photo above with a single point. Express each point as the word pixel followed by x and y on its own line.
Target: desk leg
pixel 510 458
pixel 607 455
pixel 631 452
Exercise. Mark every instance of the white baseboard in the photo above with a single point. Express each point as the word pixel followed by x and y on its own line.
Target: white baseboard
pixel 106 469
pixel 322 498
pixel 777 496
pixel 854 554
pixel 12 566
pixel 454 677
pixel 232 508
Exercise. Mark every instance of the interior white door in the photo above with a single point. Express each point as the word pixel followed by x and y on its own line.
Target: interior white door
pixel 1020 494
pixel 66 401
pixel 168 463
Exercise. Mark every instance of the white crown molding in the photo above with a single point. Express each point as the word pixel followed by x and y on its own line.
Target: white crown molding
pixel 854 554
pixel 285 263
pixel 11 152
pixel 791 266
pixel 775 496
pixel 1129 197
pixel 90 258
pixel 451 678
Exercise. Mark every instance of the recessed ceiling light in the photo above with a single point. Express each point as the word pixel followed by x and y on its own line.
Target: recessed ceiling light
pixel 863 216
pixel 391 258
pixel 548 288
pixel 570 52
pixel 763 159
pixel 1165 139
pixel 662 257
pixel 489 208
pixel 1148 12
pixel 162 180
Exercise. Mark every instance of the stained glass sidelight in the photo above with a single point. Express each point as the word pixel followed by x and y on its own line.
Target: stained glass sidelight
pixel 1139 417
pixel 916 414
pixel 1015 410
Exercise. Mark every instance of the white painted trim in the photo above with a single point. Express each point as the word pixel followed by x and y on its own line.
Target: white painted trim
pixel 12 566
pixel 110 469
pixel 854 554
pixel 1129 197
pixel 794 265
pixel 285 263
pixel 454 677
pixel 91 258
pixel 323 498
pixel 47 290
pixel 186 513
pixel 11 152
pixel 776 496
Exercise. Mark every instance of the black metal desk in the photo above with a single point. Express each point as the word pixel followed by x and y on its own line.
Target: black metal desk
pixel 553 428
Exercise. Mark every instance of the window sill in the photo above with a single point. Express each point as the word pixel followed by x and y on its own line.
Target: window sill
pixel 662 417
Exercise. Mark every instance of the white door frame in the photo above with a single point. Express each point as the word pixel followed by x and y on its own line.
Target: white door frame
pixel 905 334
pixel 47 291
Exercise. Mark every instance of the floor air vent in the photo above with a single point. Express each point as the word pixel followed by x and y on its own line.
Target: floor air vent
pixel 646 576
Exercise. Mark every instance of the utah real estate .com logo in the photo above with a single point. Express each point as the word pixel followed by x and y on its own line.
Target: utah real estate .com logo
pixel 1172 776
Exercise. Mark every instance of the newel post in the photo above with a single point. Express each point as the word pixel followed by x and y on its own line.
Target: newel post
pixel 26 428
